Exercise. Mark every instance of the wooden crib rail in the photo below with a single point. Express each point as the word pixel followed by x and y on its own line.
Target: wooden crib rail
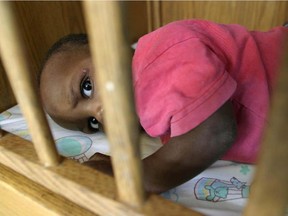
pixel 269 194
pixel 85 187
pixel 17 69
pixel 113 75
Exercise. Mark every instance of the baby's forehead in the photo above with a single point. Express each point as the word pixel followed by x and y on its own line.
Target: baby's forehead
pixel 70 52
pixel 64 61
pixel 53 66
pixel 53 82
pixel 60 60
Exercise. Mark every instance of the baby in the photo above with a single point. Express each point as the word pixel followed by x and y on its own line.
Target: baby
pixel 204 88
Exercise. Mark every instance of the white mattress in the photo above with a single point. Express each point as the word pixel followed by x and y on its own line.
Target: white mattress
pixel 222 189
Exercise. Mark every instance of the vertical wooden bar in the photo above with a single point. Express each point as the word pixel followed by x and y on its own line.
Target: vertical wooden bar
pixel 13 56
pixel 269 193
pixel 112 60
pixel 153 14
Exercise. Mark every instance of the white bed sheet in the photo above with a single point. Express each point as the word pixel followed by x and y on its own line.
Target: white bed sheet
pixel 222 189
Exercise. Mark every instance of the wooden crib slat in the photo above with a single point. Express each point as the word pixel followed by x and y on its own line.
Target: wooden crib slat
pixel 154 14
pixel 79 184
pixel 112 60
pixel 21 196
pixel 269 193
pixel 17 69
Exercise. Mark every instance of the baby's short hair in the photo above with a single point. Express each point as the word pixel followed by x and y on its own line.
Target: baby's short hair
pixel 67 43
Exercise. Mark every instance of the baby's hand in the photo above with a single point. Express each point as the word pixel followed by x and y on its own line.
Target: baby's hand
pixel 100 162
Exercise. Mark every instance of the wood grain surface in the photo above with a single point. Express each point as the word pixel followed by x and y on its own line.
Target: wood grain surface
pixel 255 15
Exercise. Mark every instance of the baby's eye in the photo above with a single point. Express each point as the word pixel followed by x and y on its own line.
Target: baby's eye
pixel 86 88
pixel 93 123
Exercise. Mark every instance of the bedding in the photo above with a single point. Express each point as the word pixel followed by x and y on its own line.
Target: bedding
pixel 222 189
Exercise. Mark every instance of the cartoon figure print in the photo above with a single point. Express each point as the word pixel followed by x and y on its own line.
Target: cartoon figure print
pixel 216 190
pixel 74 147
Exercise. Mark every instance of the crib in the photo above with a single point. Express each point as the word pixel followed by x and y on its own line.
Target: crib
pixel 35 180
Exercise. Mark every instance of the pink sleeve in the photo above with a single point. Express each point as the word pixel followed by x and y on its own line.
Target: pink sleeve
pixel 180 87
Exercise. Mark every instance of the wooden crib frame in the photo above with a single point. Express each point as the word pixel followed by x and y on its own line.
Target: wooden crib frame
pixel 57 186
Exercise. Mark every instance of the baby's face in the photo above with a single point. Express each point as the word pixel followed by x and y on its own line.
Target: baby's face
pixel 68 91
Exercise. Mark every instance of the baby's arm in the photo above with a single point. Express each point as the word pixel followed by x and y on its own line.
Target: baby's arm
pixel 185 156
pixel 100 162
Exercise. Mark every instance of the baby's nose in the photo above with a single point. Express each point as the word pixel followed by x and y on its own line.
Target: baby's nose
pixel 99 114
pixel 95 109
